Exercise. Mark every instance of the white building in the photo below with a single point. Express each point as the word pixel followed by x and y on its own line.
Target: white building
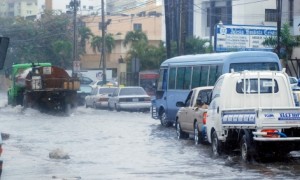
pixel 242 12
pixel 86 6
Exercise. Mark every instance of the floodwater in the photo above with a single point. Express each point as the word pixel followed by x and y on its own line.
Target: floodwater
pixel 107 145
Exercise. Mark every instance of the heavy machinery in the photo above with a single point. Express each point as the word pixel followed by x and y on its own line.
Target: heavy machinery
pixel 42 86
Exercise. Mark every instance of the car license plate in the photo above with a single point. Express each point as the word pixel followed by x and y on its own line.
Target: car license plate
pixel 135 99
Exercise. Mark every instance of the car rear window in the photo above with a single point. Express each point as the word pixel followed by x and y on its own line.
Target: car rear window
pixel 132 91
pixel 251 86
pixel 106 90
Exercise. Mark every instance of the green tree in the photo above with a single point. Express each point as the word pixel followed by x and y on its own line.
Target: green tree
pixel 36 41
pixel 63 49
pixel 153 57
pixel 287 43
pixel 85 34
pixel 97 44
pixel 138 41
pixel 134 37
pixel 195 45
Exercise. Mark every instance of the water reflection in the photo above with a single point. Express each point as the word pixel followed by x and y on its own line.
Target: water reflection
pixel 118 145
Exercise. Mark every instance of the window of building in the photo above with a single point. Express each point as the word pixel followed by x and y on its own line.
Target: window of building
pixel 11 5
pixel 137 27
pixel 270 15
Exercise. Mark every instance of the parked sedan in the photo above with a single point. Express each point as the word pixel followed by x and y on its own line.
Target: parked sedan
pixel 130 98
pixel 99 97
pixel 191 117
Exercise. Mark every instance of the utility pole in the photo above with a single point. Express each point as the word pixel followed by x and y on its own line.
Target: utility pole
pixel 211 24
pixel 279 11
pixel 103 27
pixel 182 27
pixel 74 4
pixel 168 27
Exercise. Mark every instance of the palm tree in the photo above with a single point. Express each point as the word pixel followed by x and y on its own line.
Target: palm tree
pixel 134 37
pixel 96 43
pixel 85 34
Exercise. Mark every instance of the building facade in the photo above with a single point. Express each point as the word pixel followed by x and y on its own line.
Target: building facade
pixel 290 15
pixel 118 27
pixel 247 12
pixel 22 8
pixel 124 16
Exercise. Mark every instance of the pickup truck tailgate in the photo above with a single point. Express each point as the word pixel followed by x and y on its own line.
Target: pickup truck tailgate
pixel 279 117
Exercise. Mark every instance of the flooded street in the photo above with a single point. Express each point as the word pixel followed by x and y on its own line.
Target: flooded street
pixel 105 144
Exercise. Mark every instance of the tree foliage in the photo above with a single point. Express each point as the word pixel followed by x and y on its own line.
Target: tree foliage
pixel 150 56
pixel 193 45
pixel 97 43
pixel 47 39
pixel 287 43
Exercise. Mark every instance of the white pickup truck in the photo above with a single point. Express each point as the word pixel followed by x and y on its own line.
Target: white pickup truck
pixel 254 112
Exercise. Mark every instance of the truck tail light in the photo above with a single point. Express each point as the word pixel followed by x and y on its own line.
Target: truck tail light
pixel 204 117
pixel 272 133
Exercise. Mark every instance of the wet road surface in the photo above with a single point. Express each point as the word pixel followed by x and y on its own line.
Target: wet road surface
pixel 106 144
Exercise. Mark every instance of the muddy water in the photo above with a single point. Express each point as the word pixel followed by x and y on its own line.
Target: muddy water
pixel 105 144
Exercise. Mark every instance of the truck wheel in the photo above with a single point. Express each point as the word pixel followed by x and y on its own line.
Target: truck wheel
pixel 245 147
pixel 197 135
pixel 216 145
pixel 180 133
pixel 163 119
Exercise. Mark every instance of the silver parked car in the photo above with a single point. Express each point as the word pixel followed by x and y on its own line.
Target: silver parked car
pixel 130 98
pixel 99 97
